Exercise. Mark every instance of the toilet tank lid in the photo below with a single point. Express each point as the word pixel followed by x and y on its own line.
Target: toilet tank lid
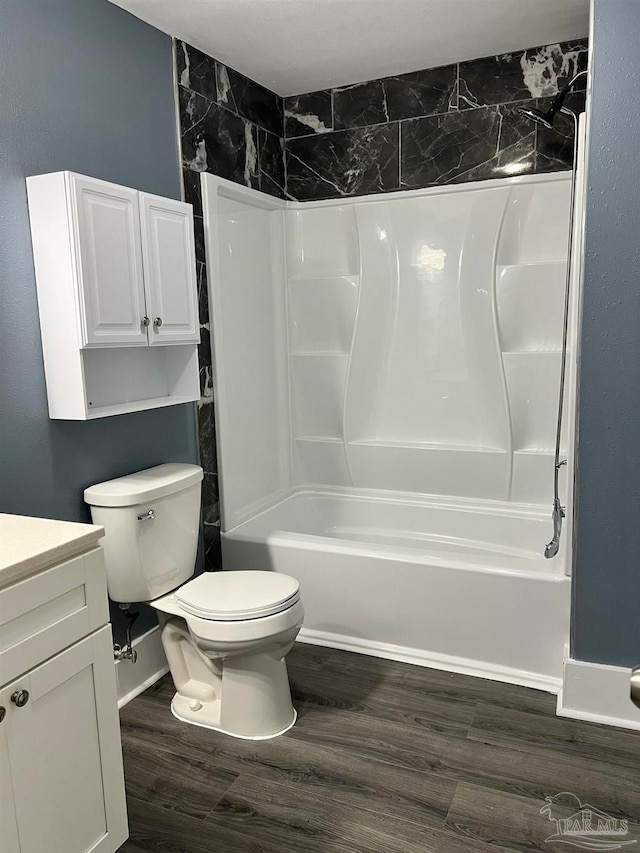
pixel 144 486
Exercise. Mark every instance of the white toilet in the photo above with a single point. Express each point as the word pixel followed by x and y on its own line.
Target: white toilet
pixel 225 634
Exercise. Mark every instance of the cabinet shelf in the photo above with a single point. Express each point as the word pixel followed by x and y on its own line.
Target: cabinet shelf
pixel 141 406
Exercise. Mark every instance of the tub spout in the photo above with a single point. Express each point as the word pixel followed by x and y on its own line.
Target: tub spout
pixel 557 515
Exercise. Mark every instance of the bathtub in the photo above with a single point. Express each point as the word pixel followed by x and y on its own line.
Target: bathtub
pixel 461 586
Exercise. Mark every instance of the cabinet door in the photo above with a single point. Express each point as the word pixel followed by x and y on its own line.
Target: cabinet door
pixel 170 270
pixel 63 753
pixel 107 238
pixel 10 843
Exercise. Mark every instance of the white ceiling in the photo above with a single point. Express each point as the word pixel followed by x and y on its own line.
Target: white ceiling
pixel 295 46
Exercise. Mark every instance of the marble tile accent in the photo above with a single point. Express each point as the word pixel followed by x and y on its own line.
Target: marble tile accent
pixel 212 545
pixel 198 233
pixel 249 100
pixel 554 148
pixel 360 105
pixel 271 161
pixel 210 487
pixel 536 73
pixel 206 428
pixel 203 293
pixel 216 140
pixel 308 114
pixel 470 145
pixel 195 70
pixel 343 163
pixel 204 360
pixel 437 144
pixel 192 190
pixel 420 93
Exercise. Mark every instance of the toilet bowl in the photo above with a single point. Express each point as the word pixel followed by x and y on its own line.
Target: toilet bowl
pixel 228 664
pixel 225 634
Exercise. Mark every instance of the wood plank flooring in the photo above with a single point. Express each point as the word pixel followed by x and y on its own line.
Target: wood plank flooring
pixel 385 758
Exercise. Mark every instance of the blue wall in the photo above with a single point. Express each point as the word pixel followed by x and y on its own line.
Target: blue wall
pixel 606 624
pixel 86 87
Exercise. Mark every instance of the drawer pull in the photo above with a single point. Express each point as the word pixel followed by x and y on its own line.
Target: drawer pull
pixel 20 698
pixel 148 516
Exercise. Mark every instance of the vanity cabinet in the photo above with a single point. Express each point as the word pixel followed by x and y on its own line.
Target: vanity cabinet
pixel 55 752
pixel 61 776
pixel 117 296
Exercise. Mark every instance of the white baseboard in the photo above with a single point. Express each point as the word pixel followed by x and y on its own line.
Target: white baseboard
pixel 599 694
pixel 133 678
pixel 449 663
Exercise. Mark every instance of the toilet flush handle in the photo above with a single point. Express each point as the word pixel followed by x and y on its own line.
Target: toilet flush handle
pixel 148 516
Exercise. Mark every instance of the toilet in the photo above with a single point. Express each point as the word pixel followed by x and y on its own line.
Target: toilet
pixel 225 634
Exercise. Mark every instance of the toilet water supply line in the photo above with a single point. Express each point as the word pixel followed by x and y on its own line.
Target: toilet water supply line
pixel 126 652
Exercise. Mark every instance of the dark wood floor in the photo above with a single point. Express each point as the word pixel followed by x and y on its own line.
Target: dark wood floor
pixel 384 758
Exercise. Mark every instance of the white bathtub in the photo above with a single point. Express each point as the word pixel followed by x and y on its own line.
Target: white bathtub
pixel 457 586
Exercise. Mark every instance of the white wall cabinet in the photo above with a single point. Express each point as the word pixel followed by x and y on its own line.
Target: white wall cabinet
pixel 61 776
pixel 115 273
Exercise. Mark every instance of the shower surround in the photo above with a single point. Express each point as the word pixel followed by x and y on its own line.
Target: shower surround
pixel 438 126
pixel 386 374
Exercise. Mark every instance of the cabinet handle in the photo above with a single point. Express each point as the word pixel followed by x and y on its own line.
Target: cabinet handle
pixel 144 322
pixel 157 321
pixel 20 698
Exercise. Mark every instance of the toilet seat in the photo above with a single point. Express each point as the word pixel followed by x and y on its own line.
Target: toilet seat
pixel 238 595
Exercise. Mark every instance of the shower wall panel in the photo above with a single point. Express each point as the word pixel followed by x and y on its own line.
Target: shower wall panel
pixel 407 343
pixel 245 244
pixel 425 334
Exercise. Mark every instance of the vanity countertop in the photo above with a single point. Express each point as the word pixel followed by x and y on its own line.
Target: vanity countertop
pixel 28 545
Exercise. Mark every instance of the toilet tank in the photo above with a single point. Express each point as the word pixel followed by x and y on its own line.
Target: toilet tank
pixel 151 521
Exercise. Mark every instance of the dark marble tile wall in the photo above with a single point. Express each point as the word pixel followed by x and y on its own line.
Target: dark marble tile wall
pixel 438 126
pixel 234 128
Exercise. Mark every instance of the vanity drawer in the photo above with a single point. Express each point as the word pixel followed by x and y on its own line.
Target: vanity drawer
pixel 51 610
